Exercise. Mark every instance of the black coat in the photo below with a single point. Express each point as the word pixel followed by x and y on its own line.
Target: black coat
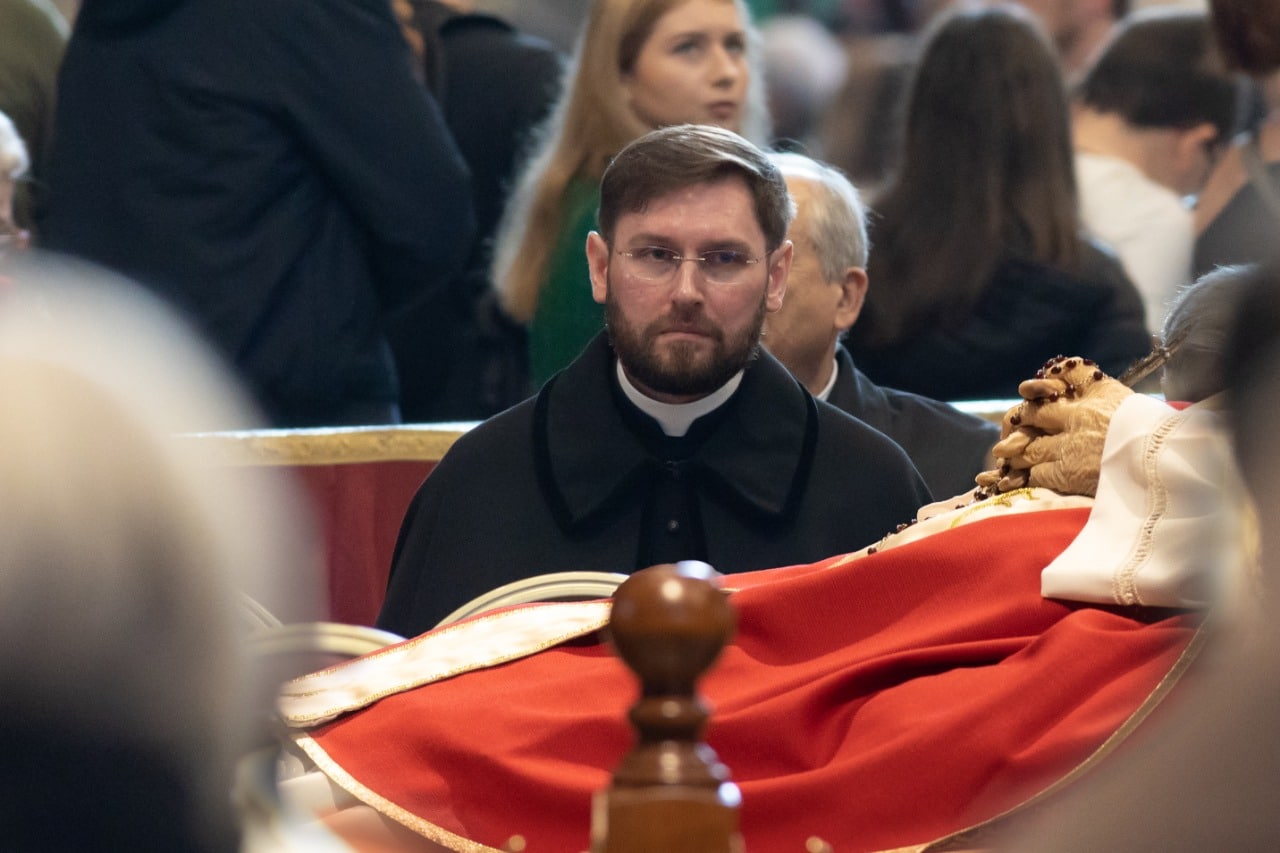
pixel 1027 314
pixel 577 478
pixel 459 359
pixel 494 85
pixel 948 446
pixel 1244 231
pixel 272 167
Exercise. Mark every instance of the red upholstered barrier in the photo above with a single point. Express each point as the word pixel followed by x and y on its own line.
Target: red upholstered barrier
pixel 360 481
pixel 359 506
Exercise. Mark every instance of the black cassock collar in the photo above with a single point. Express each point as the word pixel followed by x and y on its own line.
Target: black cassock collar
pixel 594 449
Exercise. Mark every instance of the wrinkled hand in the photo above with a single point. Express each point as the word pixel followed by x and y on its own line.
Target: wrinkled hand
pixel 1054 438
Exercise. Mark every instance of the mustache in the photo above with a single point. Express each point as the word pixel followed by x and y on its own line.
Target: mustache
pixel 694 322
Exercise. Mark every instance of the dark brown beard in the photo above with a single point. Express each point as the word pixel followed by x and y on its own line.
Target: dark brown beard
pixel 679 372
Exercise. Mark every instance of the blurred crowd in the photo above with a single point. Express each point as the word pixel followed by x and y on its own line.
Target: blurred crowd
pixel 391 231
pixel 365 212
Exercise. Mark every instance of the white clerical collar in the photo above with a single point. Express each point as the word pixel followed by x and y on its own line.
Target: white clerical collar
pixel 831 383
pixel 676 418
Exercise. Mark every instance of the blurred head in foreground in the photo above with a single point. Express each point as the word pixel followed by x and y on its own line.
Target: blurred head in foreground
pixel 122 686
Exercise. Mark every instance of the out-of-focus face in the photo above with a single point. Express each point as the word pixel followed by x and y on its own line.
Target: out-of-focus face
pixel 1201 147
pixel 1076 27
pixel 1061 18
pixel 693 67
pixel 816 310
pixel 1181 159
pixel 681 338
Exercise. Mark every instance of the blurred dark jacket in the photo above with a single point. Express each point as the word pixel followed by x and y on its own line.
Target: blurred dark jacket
pixel 460 358
pixel 1029 312
pixel 949 447
pixel 274 168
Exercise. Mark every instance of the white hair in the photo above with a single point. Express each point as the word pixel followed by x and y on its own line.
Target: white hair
pixel 1199 323
pixel 836 215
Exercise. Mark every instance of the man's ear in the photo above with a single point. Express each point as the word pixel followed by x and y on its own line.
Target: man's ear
pixel 1193 157
pixel 598 266
pixel 779 268
pixel 853 292
pixel 1194 139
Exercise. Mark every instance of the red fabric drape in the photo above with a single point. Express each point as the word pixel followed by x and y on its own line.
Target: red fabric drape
pixel 360 506
pixel 876 703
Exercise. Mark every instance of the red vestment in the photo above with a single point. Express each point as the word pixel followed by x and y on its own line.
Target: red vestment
pixel 875 703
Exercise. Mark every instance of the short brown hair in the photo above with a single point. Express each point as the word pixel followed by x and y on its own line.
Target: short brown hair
pixel 1162 69
pixel 671 158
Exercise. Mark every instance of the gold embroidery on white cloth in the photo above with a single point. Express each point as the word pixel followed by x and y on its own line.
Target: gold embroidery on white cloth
pixel 476 643
pixel 1026 499
pixel 1124 583
pixel 1004 499
pixel 339 776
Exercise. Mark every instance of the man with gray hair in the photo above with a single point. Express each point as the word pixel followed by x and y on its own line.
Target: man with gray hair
pixel 825 291
pixel 1197 331
pixel 673 436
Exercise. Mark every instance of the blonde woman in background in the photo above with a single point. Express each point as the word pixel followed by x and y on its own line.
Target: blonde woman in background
pixel 639 65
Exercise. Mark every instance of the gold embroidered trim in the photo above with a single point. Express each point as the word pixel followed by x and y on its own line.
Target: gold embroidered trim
pixel 327 446
pixel 1124 583
pixel 335 772
pixel 1004 499
pixel 300 720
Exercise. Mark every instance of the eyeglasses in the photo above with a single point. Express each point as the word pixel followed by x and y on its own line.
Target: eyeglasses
pixel 657 265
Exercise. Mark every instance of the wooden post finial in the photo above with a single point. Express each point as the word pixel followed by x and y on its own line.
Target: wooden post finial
pixel 670 792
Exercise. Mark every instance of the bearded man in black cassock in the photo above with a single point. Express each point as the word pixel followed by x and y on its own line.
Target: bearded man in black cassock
pixel 673 436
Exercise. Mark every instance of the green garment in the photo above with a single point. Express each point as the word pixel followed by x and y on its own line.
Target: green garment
pixel 762 9
pixel 567 318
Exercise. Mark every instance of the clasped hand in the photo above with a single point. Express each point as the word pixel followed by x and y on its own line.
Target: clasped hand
pixel 1054 438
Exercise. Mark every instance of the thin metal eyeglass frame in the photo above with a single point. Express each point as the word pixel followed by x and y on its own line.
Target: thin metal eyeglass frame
pixel 677 260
